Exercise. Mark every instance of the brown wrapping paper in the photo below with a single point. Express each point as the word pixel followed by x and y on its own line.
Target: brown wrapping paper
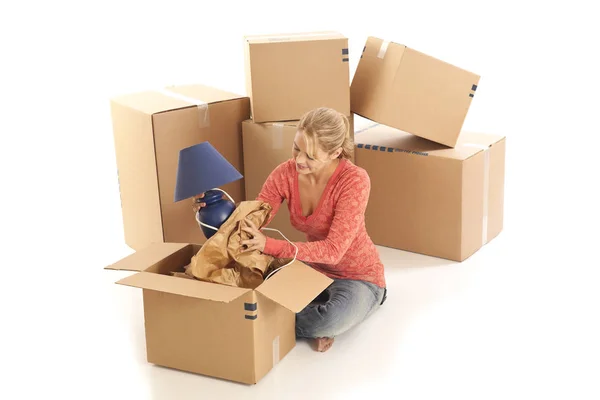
pixel 222 259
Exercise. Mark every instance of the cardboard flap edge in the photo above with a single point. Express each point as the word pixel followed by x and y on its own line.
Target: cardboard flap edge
pixel 183 287
pixel 292 37
pixel 294 286
pixel 146 257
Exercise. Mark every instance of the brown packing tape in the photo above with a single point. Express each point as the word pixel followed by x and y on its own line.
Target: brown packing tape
pixel 277 143
pixel 203 114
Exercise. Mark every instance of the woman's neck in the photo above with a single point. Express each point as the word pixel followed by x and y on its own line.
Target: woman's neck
pixel 323 176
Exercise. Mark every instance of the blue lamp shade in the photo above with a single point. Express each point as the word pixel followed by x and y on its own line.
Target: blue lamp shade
pixel 201 167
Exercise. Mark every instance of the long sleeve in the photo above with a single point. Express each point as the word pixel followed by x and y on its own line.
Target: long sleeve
pixel 275 190
pixel 348 218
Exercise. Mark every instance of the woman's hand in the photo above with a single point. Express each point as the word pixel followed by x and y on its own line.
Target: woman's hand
pixel 257 239
pixel 197 205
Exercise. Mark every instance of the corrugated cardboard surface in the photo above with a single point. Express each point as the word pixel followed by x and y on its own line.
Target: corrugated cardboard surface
pixel 288 75
pixel 150 129
pixel 409 90
pixel 200 336
pixel 138 181
pixel 217 330
pixel 428 198
pixel 275 334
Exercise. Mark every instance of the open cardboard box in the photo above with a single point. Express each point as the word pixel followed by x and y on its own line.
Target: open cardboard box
pixel 212 329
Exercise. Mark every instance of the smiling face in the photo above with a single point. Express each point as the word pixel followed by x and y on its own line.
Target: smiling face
pixel 307 161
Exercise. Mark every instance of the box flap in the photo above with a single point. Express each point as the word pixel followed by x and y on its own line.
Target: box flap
pixel 387 139
pixel 147 257
pixel 173 98
pixel 183 286
pixel 294 286
pixel 294 37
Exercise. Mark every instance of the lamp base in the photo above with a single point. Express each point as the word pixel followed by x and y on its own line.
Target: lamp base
pixel 216 211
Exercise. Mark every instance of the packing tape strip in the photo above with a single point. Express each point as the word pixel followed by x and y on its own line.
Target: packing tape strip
pixel 203 115
pixel 486 187
pixel 278 136
pixel 383 49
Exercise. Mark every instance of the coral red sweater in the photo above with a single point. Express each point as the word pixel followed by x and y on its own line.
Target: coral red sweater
pixel 337 241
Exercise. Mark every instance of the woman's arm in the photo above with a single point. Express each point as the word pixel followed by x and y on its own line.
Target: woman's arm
pixel 275 190
pixel 348 218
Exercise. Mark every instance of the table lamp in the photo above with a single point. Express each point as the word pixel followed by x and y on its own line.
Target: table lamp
pixel 202 169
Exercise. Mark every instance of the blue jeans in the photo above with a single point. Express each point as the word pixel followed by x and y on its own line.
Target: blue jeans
pixel 343 305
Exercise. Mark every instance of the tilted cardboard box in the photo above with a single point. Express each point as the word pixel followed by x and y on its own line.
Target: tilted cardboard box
pixel 150 128
pixel 212 329
pixel 430 199
pixel 403 88
pixel 288 75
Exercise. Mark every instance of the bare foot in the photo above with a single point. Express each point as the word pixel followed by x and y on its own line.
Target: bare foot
pixel 324 344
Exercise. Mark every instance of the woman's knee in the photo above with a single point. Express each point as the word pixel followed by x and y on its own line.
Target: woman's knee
pixel 322 320
pixel 349 303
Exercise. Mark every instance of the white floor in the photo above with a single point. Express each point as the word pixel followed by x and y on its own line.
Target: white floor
pixel 518 320
pixel 497 326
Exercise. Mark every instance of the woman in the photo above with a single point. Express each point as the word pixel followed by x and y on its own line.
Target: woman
pixel 327 196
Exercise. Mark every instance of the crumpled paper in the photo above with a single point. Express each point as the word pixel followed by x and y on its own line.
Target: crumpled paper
pixel 222 258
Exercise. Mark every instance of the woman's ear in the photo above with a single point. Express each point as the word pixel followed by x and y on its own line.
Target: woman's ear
pixel 336 154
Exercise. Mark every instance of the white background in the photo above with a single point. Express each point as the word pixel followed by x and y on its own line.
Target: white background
pixel 519 319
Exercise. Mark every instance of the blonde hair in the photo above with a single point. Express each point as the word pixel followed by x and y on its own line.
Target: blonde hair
pixel 328 129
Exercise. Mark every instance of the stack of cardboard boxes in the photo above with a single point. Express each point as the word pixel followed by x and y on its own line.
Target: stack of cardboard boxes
pixel 436 190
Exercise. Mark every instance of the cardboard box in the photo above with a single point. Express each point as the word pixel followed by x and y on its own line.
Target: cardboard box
pixel 266 145
pixel 217 330
pixel 403 88
pixel 431 199
pixel 150 128
pixel 288 75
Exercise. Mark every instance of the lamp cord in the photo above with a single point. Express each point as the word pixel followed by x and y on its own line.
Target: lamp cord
pixel 268 229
